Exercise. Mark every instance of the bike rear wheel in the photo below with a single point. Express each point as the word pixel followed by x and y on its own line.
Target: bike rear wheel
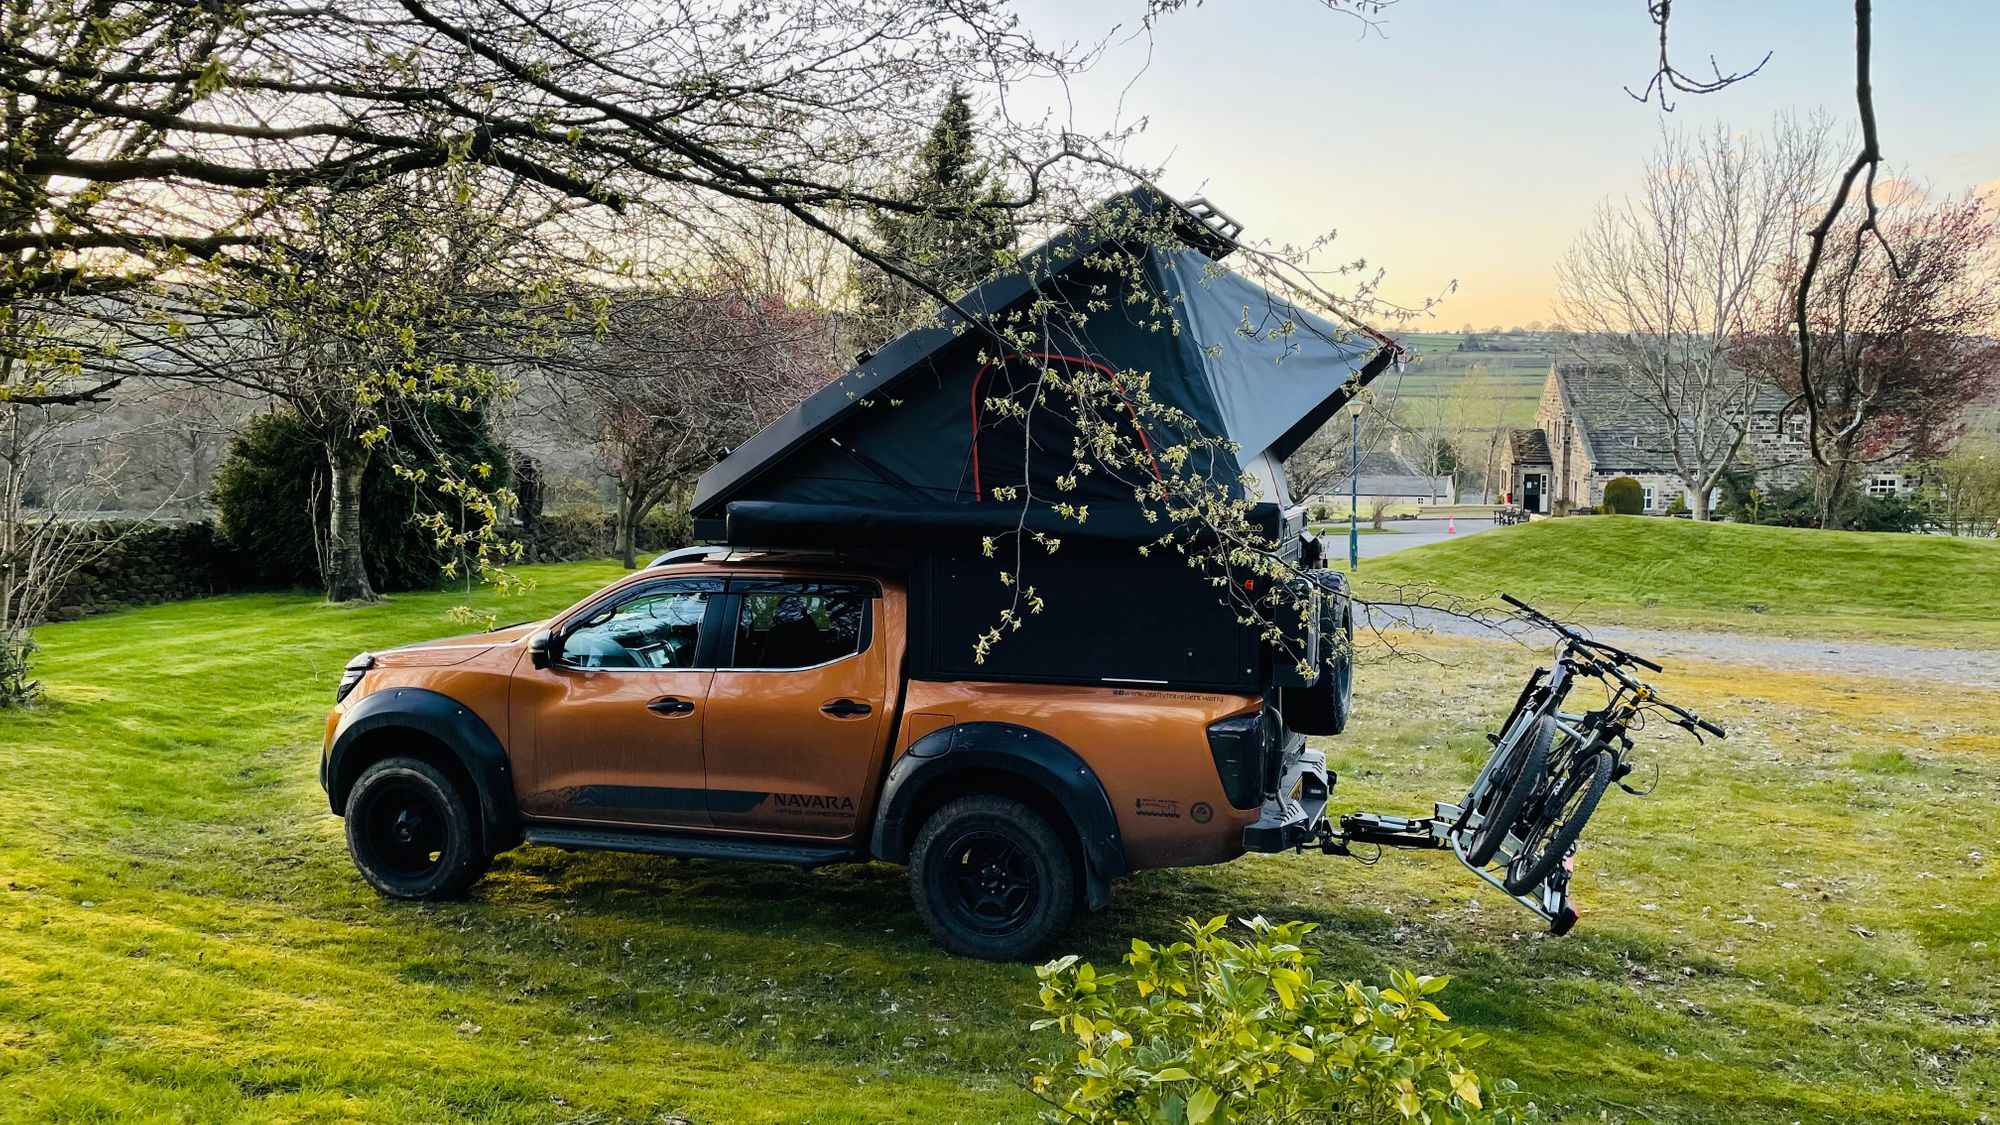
pixel 1508 797
pixel 1549 840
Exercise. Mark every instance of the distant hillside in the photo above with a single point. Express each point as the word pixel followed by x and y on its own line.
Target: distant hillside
pixel 1517 364
pixel 1616 569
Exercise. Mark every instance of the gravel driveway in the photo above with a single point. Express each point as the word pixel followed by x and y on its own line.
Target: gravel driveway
pixel 1972 667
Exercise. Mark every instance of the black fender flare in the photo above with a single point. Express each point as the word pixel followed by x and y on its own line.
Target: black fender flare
pixel 452 724
pixel 1030 755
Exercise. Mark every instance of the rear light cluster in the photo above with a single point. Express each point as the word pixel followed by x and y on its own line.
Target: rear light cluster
pixel 1241 745
pixel 350 676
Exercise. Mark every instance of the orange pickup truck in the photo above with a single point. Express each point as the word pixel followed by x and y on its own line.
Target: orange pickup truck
pixel 755 705
pixel 854 669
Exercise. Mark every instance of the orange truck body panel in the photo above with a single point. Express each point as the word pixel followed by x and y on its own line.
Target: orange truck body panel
pixel 764 733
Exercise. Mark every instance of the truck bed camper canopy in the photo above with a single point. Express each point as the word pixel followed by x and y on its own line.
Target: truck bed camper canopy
pixel 1121 348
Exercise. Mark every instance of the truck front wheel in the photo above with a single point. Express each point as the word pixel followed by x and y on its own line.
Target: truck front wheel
pixel 411 832
pixel 992 879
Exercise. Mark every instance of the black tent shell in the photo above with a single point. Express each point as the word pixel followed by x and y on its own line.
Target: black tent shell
pixel 1197 359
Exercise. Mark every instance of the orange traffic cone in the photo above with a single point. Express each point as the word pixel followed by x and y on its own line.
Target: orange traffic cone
pixel 1451 525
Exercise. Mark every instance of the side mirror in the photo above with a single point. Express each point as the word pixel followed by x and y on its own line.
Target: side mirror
pixel 542 648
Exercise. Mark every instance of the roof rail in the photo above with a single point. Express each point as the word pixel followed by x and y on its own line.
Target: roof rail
pixel 685 554
pixel 1213 217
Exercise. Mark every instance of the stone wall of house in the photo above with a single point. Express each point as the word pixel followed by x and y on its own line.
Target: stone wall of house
pixel 1665 487
pixel 1566 447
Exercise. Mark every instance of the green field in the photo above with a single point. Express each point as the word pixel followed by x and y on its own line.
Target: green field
pixel 1798 926
pixel 1438 362
pixel 1644 570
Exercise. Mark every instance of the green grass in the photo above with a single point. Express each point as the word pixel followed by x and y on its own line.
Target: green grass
pixel 1654 571
pixel 183 939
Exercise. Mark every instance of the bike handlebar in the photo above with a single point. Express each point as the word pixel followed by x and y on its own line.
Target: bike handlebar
pixel 1577 638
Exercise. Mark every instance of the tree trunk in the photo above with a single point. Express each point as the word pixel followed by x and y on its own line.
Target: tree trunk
pixel 1830 488
pixel 1698 503
pixel 628 529
pixel 346 569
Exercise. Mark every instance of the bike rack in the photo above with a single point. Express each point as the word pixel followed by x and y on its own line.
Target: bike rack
pixel 1442 831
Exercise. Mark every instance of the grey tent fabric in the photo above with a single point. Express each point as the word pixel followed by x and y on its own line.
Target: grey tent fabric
pixel 1268 363
pixel 908 439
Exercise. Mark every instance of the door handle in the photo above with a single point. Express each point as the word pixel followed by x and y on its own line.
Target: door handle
pixel 845 708
pixel 671 706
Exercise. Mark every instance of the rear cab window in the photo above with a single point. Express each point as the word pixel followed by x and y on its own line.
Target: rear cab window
pixel 780 625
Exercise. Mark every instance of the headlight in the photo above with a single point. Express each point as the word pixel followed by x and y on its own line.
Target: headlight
pixel 351 675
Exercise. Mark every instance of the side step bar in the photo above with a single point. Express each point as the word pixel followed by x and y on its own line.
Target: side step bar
pixel 684 845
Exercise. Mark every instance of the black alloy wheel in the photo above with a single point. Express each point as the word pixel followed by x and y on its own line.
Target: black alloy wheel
pixel 411 831
pixel 991 879
pixel 992 883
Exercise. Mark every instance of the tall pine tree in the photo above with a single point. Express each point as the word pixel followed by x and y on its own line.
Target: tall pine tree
pixel 954 241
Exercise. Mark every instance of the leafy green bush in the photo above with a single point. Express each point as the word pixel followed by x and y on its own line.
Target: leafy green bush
pixel 271 495
pixel 1215 1030
pixel 1624 496
pixel 1799 507
pixel 1678 506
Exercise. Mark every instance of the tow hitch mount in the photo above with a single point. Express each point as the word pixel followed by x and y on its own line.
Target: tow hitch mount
pixel 1446 829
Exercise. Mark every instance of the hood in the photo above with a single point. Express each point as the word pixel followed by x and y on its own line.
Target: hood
pixel 447 651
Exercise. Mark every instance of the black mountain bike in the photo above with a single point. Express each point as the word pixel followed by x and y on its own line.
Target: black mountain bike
pixel 1551 767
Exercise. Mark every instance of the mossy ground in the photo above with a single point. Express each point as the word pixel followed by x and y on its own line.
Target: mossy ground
pixel 1799 925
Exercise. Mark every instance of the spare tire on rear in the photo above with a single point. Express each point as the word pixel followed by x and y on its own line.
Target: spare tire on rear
pixel 1323 707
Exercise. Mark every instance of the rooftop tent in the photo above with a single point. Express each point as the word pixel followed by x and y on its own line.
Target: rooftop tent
pixel 1166 349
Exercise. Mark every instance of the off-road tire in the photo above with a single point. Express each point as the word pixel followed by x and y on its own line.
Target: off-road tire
pixel 412 833
pixel 992 879
pixel 1323 707
pixel 1532 754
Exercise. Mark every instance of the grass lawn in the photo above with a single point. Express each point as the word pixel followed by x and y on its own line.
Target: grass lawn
pixel 1801 924
pixel 1653 571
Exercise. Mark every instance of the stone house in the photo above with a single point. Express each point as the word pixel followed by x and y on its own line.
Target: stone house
pixel 1590 429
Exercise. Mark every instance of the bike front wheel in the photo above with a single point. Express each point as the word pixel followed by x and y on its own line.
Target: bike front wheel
pixel 1549 840
pixel 1507 797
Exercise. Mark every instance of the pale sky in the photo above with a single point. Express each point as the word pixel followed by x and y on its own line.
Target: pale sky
pixel 1474 141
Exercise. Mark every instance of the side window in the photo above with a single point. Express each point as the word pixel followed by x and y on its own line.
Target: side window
pixel 660 628
pixel 798 627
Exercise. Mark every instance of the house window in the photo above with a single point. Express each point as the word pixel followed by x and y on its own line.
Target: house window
pixel 1649 498
pixel 1884 485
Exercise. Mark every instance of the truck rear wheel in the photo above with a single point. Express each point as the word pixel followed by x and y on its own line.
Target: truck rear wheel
pixel 991 879
pixel 411 831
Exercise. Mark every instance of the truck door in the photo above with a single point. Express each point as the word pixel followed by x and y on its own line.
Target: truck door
pixel 796 709
pixel 611 730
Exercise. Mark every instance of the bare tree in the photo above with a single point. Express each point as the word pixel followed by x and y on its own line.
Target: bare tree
pixel 1479 421
pixel 1323 464
pixel 678 378
pixel 1665 284
pixel 1900 335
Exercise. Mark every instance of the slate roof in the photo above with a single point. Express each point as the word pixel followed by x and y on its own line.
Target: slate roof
pixel 1531 447
pixel 1622 431
pixel 1386 473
